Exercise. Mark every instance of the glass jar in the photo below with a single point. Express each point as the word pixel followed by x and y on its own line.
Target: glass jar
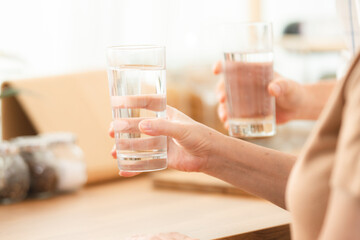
pixel 41 163
pixel 14 175
pixel 70 162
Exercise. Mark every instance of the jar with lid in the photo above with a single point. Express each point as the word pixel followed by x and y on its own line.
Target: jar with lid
pixel 14 175
pixel 41 163
pixel 71 167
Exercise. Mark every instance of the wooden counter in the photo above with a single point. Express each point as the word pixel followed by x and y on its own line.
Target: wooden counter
pixel 116 210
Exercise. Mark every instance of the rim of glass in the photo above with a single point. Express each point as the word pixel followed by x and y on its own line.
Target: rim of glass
pixel 135 47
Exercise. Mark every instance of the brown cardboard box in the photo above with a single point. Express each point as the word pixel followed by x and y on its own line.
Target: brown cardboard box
pixel 78 103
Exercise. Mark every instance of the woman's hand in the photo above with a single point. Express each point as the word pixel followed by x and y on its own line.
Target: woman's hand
pixel 290 97
pixel 189 143
pixel 194 147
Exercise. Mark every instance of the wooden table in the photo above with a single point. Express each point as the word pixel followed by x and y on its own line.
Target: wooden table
pixel 118 209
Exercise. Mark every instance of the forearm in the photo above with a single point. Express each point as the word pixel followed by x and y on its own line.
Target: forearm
pixel 342 218
pixel 260 171
pixel 315 98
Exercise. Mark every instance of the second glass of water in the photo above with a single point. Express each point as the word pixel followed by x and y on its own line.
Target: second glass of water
pixel 137 83
pixel 248 71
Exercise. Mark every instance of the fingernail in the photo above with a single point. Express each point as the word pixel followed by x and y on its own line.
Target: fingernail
pixel 276 89
pixel 145 125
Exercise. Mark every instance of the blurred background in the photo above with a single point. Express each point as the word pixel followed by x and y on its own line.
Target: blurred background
pixel 54 37
pixel 43 38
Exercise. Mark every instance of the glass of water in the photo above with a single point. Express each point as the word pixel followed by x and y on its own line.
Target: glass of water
pixel 137 83
pixel 248 70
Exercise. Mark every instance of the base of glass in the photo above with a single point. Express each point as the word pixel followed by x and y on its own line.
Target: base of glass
pixel 252 128
pixel 141 163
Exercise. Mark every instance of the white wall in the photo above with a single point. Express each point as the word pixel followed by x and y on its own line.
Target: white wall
pixel 284 11
pixel 60 36
pixel 320 20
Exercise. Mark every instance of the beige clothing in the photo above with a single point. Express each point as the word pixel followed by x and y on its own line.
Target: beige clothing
pixel 330 160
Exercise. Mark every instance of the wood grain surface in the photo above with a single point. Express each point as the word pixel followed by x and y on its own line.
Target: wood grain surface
pixel 273 233
pixel 192 181
pixel 119 209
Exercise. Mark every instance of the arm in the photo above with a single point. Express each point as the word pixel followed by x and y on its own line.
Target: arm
pixel 342 218
pixel 314 98
pixel 194 147
pixel 260 171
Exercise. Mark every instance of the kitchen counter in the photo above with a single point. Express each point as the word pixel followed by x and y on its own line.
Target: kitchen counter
pixel 118 209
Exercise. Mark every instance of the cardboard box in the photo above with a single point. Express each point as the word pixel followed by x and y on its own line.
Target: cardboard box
pixel 78 103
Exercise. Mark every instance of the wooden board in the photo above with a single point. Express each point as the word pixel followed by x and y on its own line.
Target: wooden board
pixel 199 182
pixel 119 209
pixel 279 233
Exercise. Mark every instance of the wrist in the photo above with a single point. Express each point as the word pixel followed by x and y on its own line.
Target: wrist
pixel 221 146
pixel 314 98
pixel 305 109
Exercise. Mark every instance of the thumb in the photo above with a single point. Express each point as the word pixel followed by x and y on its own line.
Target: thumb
pixel 217 68
pixel 281 87
pixel 156 127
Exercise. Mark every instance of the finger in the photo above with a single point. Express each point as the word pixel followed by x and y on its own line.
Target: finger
pixel 174 114
pixel 220 91
pixel 164 127
pixel 141 144
pixel 282 87
pixel 217 69
pixel 147 101
pixel 113 152
pixel 127 125
pixel 274 89
pixel 226 125
pixel 222 112
pixel 111 130
pixel 128 174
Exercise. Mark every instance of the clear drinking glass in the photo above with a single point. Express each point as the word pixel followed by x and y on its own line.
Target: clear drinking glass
pixel 137 83
pixel 248 70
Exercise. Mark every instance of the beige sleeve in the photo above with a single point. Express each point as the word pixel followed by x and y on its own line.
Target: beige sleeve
pixel 346 172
